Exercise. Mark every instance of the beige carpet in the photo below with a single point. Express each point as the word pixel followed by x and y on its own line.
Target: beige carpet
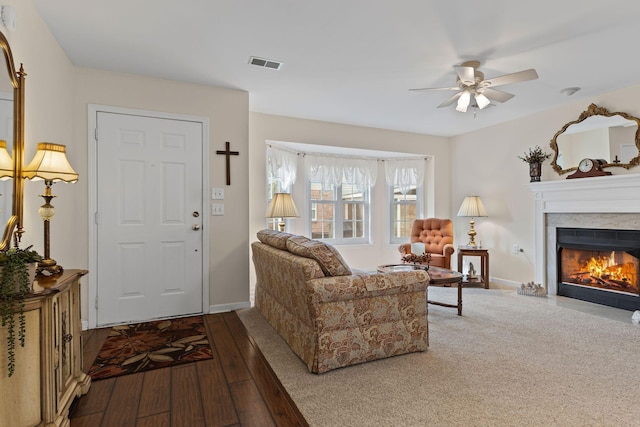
pixel 510 360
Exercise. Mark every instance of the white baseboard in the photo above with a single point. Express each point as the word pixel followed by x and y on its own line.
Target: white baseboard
pixel 221 308
pixel 85 325
pixel 503 283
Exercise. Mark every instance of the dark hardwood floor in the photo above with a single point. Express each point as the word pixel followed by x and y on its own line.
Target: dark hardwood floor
pixel 235 388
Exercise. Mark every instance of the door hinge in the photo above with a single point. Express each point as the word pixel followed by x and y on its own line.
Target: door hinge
pixel 96 302
pixel 95 133
pixel 96 218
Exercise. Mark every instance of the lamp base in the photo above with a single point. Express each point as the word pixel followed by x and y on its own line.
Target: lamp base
pixel 48 267
pixel 472 235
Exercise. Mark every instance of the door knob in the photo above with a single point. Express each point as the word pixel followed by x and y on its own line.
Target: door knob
pixel 195 227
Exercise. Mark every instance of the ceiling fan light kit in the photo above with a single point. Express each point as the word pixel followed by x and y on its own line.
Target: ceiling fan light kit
pixel 482 101
pixel 471 81
pixel 463 101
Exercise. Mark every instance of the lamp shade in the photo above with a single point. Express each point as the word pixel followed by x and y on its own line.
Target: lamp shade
pixel 463 101
pixel 6 162
pixel 472 207
pixel 282 206
pixel 482 101
pixel 50 164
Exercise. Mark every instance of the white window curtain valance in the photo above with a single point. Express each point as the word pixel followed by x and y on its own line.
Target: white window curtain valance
pixel 283 166
pixel 404 173
pixel 330 170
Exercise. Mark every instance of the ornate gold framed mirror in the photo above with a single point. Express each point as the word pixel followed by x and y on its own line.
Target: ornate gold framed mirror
pixel 12 118
pixel 597 134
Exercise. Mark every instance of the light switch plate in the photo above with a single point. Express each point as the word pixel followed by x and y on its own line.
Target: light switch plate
pixel 217 194
pixel 217 209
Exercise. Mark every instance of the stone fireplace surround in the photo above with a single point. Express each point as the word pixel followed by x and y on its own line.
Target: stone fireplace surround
pixel 608 202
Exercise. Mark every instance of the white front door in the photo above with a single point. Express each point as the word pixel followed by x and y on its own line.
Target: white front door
pixel 149 217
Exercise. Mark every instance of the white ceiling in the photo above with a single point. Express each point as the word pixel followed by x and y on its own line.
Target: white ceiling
pixel 353 61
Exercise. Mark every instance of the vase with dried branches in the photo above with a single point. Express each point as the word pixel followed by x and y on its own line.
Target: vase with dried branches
pixel 535 157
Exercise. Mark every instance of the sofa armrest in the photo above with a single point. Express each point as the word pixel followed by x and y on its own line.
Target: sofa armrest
pixel 363 285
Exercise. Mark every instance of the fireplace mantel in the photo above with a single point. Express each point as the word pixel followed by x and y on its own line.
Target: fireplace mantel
pixel 608 195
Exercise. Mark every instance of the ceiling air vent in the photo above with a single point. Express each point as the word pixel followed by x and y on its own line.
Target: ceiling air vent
pixel 266 63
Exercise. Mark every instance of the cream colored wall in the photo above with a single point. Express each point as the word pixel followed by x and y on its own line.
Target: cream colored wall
pixel 264 127
pixel 48 117
pixel 227 111
pixel 486 164
pixel 57 95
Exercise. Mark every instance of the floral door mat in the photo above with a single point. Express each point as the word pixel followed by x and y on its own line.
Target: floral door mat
pixel 151 345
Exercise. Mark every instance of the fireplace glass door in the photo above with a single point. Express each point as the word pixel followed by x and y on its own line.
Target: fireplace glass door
pixel 607 270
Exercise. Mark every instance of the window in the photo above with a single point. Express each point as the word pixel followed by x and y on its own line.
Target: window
pixel 272 188
pixel 339 214
pixel 404 178
pixel 404 210
pixel 281 175
pixel 339 197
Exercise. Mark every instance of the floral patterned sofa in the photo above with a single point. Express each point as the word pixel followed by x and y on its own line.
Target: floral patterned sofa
pixel 330 316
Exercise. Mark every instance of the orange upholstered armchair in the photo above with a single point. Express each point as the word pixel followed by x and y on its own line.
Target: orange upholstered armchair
pixel 437 237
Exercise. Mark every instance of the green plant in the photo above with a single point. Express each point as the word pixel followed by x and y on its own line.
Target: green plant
pixel 535 155
pixel 14 286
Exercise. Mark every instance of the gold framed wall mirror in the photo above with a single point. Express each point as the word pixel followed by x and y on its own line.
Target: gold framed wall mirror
pixel 12 131
pixel 597 134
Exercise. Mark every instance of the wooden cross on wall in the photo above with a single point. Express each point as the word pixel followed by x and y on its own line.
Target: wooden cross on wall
pixel 228 153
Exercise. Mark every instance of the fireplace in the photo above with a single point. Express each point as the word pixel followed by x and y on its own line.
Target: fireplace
pixel 600 266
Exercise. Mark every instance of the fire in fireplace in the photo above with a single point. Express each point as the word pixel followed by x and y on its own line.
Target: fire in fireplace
pixel 614 271
pixel 601 266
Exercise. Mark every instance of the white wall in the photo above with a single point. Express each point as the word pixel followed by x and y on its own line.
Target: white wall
pixel 57 95
pixel 264 127
pixel 485 163
pixel 227 111
pixel 48 117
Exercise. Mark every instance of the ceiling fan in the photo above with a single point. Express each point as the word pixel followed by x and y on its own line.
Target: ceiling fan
pixel 471 82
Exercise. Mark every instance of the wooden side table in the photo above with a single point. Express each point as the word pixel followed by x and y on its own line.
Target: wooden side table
pixel 484 264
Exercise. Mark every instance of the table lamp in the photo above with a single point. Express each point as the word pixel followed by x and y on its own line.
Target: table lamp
pixel 49 164
pixel 6 162
pixel 282 207
pixel 472 207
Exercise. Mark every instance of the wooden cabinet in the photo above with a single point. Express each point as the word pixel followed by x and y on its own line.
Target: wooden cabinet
pixel 48 374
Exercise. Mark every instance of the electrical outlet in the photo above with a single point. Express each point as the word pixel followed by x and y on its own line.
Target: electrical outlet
pixel 515 249
pixel 217 209
pixel 217 193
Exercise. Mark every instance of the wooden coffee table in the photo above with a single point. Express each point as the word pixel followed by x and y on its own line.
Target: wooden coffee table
pixel 437 277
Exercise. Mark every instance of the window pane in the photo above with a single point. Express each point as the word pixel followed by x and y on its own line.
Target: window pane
pixel 351 193
pixel 322 230
pixel 318 194
pixel 409 197
pixel 323 225
pixel 353 221
pixel 404 212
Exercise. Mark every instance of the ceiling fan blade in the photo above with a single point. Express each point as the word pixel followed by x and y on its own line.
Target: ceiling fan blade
pixel 467 75
pixel 434 88
pixel 450 100
pixel 497 95
pixel 520 76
